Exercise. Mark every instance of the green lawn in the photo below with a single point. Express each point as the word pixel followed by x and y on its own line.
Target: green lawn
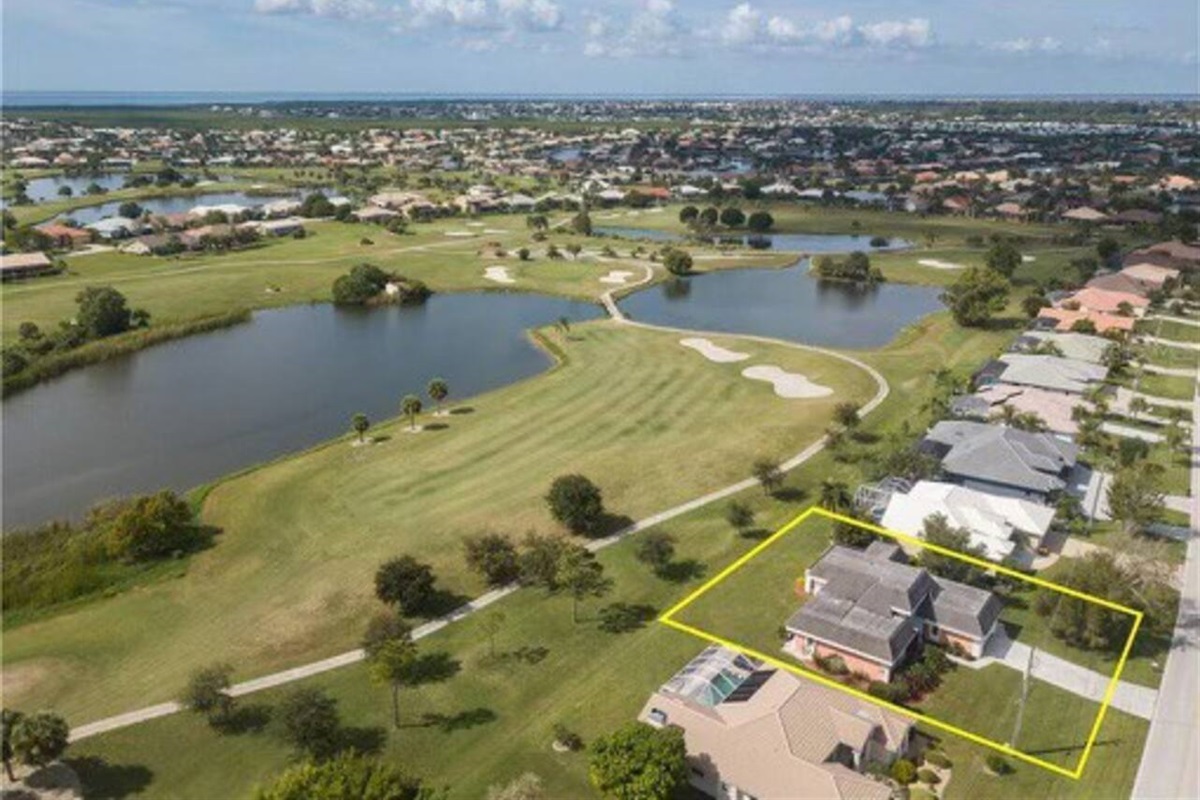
pixel 589 680
pixel 1169 329
pixel 906 266
pixel 1172 387
pixel 651 422
pixel 1172 357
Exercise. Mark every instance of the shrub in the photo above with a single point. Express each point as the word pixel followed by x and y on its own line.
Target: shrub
pixel 624 617
pixel 888 692
pixel 145 528
pixel 834 665
pixel 567 738
pixel 928 776
pixel 903 771
pixel 577 503
pixel 997 765
pixel 938 759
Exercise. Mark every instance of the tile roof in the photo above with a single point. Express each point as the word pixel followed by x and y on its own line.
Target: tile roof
pixel 1002 455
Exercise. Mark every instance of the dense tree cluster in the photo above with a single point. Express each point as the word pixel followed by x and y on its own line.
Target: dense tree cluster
pixel 855 268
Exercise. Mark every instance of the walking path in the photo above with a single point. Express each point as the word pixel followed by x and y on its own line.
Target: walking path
pixel 1181 372
pixel 1129 432
pixel 1170 765
pixel 1081 681
pixel 483 601
pixel 1195 323
pixel 1170 342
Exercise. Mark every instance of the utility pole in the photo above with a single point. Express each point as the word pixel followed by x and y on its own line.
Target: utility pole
pixel 1026 679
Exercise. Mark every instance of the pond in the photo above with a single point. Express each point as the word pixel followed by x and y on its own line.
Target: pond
pixel 42 190
pixel 180 414
pixel 172 205
pixel 786 304
pixel 786 242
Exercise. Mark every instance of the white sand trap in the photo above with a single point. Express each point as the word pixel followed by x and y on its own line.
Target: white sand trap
pixel 936 264
pixel 1028 259
pixel 791 385
pixel 617 276
pixel 714 352
pixel 498 274
pixel 474 224
pixel 494 231
pixel 460 233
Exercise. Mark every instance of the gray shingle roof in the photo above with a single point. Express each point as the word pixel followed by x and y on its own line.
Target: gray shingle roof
pixel 868 599
pixel 1002 455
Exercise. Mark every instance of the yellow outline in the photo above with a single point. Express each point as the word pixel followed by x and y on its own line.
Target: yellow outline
pixel 667 619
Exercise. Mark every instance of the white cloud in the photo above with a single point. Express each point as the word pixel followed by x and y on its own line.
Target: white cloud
pixel 837 31
pixel 533 15
pixel 654 30
pixel 743 25
pixel 460 13
pixel 911 33
pixel 1047 44
pixel 345 9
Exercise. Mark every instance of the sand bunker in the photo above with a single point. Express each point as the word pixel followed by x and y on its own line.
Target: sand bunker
pixel 1028 259
pixel 474 224
pixel 460 233
pixel 498 274
pixel 936 264
pixel 791 385
pixel 713 352
pixel 617 276
pixel 494 231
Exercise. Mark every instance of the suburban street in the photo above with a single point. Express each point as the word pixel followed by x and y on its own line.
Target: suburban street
pixel 1170 765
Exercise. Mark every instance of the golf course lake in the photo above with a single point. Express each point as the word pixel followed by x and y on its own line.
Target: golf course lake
pixel 173 205
pixel 786 304
pixel 183 413
pixel 785 242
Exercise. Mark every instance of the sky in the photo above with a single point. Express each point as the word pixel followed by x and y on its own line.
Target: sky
pixel 604 47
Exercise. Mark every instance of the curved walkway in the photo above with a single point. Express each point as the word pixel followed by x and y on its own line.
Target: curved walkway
pixel 483 601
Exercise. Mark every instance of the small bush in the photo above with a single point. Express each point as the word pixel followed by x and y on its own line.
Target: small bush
pixel 889 692
pixel 997 765
pixel 903 771
pixel 938 759
pixel 928 776
pixel 567 738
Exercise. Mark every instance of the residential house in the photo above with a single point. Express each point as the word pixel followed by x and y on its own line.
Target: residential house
pixel 1079 346
pixel 756 732
pixel 1000 459
pixel 64 237
pixel 1066 319
pixel 18 266
pixel 874 610
pixel 1105 301
pixel 1085 215
pixel 116 227
pixel 997 524
pixel 1056 410
pixel 1052 373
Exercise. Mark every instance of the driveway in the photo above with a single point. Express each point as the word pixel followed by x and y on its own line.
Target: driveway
pixel 1081 681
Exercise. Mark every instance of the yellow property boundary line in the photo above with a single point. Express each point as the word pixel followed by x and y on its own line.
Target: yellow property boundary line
pixel 668 619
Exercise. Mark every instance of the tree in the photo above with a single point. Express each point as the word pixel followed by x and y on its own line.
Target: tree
pixel 1135 497
pixel 129 209
pixel 846 414
pixel 768 473
pixel 581 575
pixel 574 248
pixel 102 311
pixel 1003 257
pixel 739 515
pixel 539 560
pixel 581 223
pixel 410 406
pixel 688 214
pixel 1108 249
pixel 361 284
pixel 656 548
pixel 361 425
pixel 677 262
pixel 1032 304
pixel 638 762
pixel 492 623
pixel 940 533
pixel 145 528
pixel 709 217
pixel 836 496
pixel 9 719
pixel 383 627
pixel 494 557
pixel 349 776
pixel 732 217
pixel 310 721
pixel 391 663
pixel 40 738
pixel 760 222
pixel 577 503
pixel 438 391
pixel 406 584
pixel 1084 623
pixel 207 693
pixel 977 296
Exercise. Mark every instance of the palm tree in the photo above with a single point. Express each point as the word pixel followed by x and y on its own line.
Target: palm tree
pixel 1007 416
pixel 835 495
pixel 1138 406
pixel 410 406
pixel 438 391
pixel 361 424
